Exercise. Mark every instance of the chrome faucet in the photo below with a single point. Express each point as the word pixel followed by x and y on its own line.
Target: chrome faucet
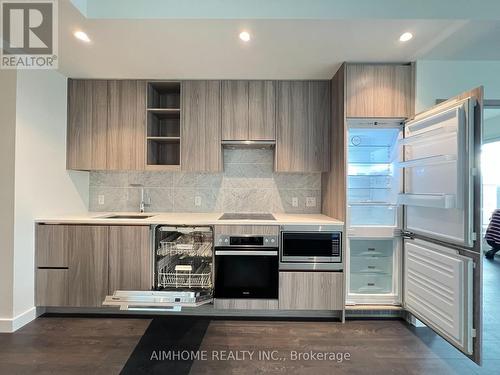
pixel 143 204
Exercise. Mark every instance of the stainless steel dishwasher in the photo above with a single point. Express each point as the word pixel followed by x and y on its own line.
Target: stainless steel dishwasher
pixel 182 271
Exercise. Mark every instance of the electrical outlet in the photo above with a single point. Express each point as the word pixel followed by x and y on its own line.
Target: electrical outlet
pixel 197 201
pixel 310 201
pixel 100 199
pixel 295 202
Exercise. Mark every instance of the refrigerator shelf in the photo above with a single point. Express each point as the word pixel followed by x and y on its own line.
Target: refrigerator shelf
pixel 428 200
pixel 431 160
pixel 436 134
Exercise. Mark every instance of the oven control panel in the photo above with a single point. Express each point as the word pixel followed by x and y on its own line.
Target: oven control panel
pixel 252 241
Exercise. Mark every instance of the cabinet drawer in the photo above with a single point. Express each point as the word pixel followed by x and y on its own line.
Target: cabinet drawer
pixel 311 291
pixel 371 283
pixel 369 264
pixel 51 287
pixel 371 248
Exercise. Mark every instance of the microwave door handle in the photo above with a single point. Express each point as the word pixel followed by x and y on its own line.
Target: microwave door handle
pixel 247 252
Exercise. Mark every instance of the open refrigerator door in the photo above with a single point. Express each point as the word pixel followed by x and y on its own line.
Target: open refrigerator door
pixel 441 199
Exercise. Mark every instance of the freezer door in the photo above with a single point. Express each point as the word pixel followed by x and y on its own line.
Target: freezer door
pixel 442 269
pixel 438 290
pixel 438 167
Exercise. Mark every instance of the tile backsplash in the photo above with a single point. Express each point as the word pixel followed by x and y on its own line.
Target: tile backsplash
pixel 248 184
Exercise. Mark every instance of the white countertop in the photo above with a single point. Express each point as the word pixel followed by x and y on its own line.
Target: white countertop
pixel 186 218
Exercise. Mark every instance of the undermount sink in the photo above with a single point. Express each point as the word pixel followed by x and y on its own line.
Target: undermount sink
pixel 128 217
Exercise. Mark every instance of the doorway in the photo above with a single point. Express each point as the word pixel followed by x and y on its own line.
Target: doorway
pixel 491 200
pixel 490 151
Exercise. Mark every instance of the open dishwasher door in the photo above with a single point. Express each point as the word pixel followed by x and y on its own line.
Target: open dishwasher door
pixel 182 272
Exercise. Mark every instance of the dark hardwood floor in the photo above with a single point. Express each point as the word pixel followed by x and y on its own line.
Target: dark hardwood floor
pixel 70 346
pixel 76 345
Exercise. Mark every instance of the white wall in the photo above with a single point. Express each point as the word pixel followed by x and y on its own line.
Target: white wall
pixel 42 184
pixel 7 169
pixel 444 79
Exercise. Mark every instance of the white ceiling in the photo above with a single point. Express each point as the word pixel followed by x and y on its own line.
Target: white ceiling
pixel 280 48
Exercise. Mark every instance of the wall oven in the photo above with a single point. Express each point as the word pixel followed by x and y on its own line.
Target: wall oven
pixel 311 247
pixel 246 267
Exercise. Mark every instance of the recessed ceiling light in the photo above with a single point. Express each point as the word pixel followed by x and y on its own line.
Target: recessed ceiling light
pixel 245 36
pixel 82 36
pixel 405 37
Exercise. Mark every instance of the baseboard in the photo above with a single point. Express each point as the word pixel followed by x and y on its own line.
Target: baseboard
pixel 12 325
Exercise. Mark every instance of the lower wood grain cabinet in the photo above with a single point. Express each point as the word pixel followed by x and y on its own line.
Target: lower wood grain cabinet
pixel 87 246
pixel 311 291
pixel 78 265
pixel 129 258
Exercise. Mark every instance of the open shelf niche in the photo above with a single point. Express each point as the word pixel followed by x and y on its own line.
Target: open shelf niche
pixel 164 125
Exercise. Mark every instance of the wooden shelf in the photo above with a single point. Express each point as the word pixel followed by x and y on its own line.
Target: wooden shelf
pixel 163 128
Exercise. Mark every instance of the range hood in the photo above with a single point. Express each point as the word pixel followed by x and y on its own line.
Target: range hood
pixel 248 144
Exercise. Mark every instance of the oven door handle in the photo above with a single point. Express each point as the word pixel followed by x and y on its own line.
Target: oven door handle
pixel 247 252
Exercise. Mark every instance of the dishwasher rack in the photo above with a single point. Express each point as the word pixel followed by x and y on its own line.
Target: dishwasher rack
pixel 184 259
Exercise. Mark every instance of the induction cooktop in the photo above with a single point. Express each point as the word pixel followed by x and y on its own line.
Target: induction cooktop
pixel 247 216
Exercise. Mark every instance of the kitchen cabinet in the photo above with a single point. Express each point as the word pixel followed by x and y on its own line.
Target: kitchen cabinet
pixel 303 126
pixel 245 304
pixel 51 287
pixel 163 126
pixel 201 149
pixel 262 110
pixel 130 258
pixel 247 230
pixel 87 247
pixel 106 125
pixel 71 265
pixel 126 135
pixel 87 124
pixel 235 110
pixel 311 291
pixel 51 250
pixel 384 90
pixel 51 263
pixel 78 265
pixel 248 110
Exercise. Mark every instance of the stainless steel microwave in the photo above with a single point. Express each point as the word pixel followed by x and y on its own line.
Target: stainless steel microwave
pixel 311 247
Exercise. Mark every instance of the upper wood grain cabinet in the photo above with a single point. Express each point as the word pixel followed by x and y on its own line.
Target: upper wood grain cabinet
pixel 130 258
pixel 201 126
pixel 106 125
pixel 311 291
pixel 248 110
pixel 87 124
pixel 379 90
pixel 126 137
pixel 235 110
pixel 303 126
